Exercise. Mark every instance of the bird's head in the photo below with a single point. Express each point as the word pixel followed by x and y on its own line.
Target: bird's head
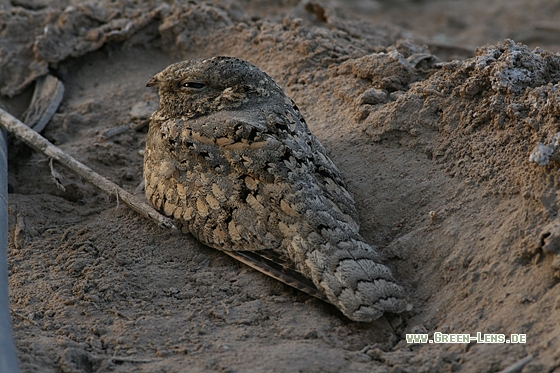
pixel 197 87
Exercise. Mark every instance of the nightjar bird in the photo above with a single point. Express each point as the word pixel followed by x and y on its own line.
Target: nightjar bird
pixel 231 159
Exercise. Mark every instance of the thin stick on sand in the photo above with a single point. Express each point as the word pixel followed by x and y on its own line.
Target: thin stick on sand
pixel 45 147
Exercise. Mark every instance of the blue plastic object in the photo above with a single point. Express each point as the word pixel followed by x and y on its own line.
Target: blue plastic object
pixel 8 360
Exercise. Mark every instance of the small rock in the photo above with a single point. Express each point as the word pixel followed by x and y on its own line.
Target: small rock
pixel 373 96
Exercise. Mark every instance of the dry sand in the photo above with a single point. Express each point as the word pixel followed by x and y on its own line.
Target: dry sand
pixel 436 152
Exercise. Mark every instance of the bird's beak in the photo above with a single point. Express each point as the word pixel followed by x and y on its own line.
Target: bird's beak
pixel 152 82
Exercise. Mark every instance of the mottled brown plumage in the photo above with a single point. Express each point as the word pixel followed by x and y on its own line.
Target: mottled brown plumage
pixel 230 157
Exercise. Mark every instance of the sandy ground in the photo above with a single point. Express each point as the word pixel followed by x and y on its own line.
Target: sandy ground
pixel 437 153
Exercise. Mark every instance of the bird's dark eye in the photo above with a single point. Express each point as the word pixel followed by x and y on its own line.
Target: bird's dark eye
pixel 193 85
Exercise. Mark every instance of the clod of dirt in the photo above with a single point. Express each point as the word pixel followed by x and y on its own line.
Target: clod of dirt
pixel 544 154
pixel 32 41
pixel 74 360
pixel 501 103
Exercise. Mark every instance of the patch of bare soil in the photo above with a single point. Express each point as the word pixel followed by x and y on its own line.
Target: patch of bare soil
pixel 443 159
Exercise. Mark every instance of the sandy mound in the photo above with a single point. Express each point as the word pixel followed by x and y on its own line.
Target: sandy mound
pixel 443 158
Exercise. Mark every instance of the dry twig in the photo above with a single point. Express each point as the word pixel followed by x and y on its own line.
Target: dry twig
pixel 518 366
pixel 112 132
pixel 43 146
pixel 47 96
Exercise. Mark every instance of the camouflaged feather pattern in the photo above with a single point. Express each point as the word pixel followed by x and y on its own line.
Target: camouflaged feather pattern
pixel 230 157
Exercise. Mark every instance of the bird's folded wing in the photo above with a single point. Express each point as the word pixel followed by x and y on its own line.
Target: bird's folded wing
pixel 277 271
